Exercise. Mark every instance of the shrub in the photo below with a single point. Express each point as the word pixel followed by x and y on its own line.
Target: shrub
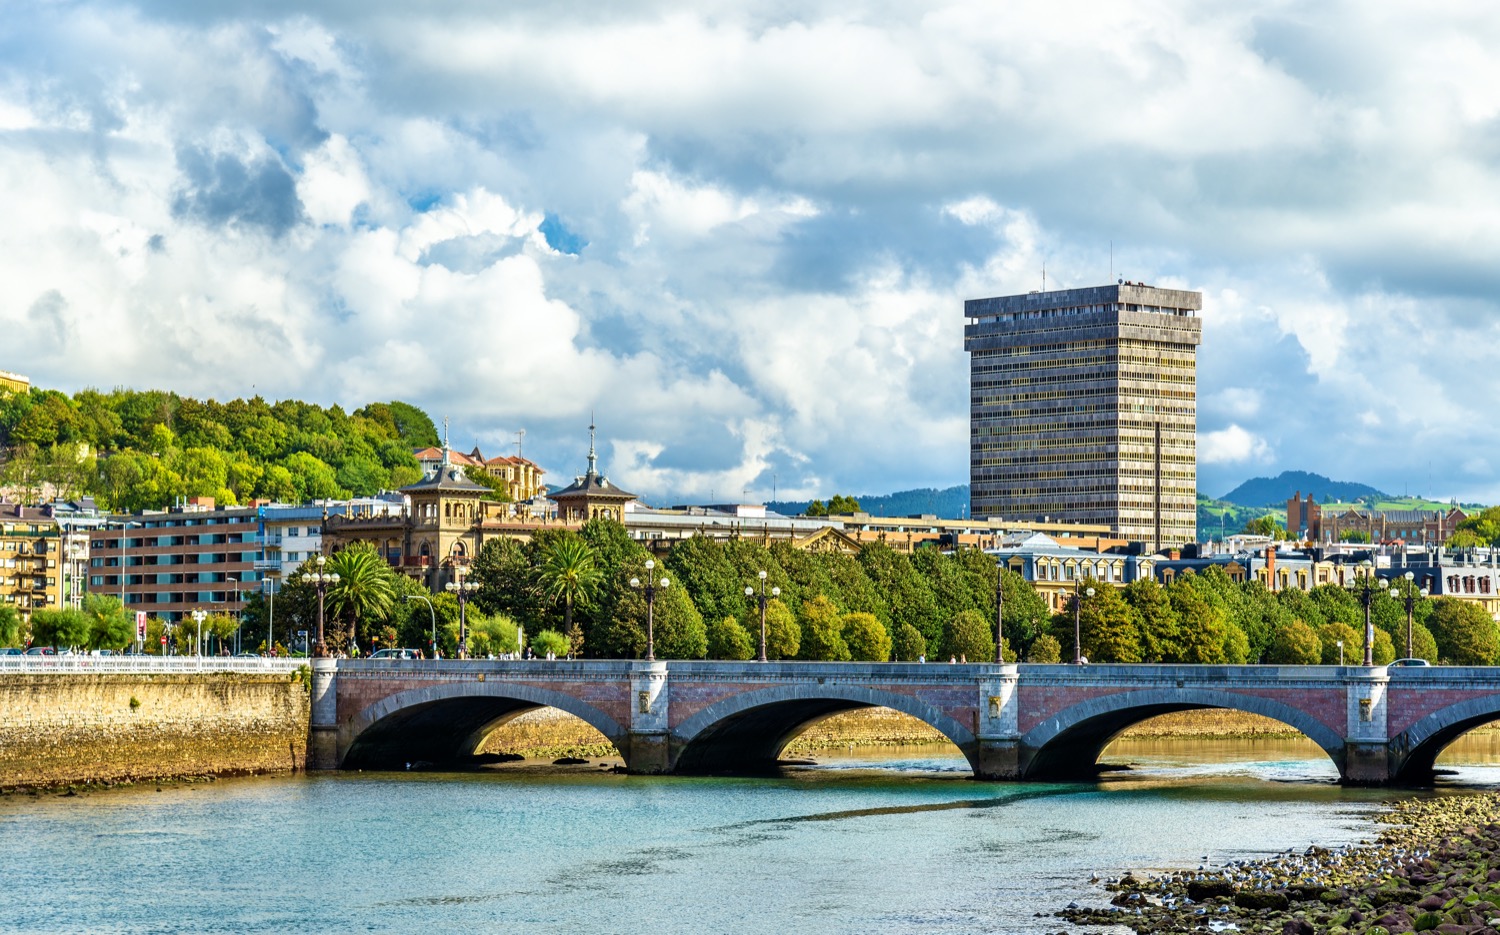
pixel 728 640
pixel 866 638
pixel 549 641
pixel 1295 644
pixel 910 644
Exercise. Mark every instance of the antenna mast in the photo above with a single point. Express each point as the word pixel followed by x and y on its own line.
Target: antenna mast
pixel 520 435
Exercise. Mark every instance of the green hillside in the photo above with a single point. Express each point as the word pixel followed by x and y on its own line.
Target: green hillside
pixel 135 450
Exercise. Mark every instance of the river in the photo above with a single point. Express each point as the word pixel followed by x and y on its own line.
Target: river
pixel 896 842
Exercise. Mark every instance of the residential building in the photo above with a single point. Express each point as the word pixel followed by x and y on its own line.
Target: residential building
pixel 1083 409
pixel 32 565
pixel 591 495
pixel 1056 571
pixel 522 477
pixel 172 562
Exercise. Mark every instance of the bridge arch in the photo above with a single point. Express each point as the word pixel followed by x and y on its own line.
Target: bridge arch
pixel 746 732
pixel 1068 744
pixel 447 720
pixel 1414 751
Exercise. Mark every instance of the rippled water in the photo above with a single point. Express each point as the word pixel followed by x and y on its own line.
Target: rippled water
pixel 900 842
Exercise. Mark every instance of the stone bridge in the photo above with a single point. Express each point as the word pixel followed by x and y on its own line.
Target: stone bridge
pixel 1019 722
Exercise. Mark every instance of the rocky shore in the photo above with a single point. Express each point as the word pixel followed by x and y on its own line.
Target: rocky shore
pixel 1435 866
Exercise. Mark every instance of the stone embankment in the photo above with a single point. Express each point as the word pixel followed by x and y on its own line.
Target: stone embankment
pixel 1436 867
pixel 76 728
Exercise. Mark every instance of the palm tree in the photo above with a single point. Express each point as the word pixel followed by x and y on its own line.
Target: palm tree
pixel 364 587
pixel 568 573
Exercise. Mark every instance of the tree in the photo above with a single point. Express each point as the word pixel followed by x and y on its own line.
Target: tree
pixel 1261 615
pixel 968 635
pixel 1046 649
pixel 504 575
pixel 1464 633
pixel 783 633
pixel 841 505
pixel 1337 605
pixel 1202 627
pixel 1025 617
pixel 111 626
pixel 679 629
pixel 1354 535
pixel 549 642
pixel 822 633
pixel 1108 626
pixel 568 573
pixel 1330 634
pixel 728 640
pixel 703 568
pixel 1294 645
pixel 10 626
pixel 1464 539
pixel 364 590
pixel 909 644
pixel 815 508
pixel 865 637
pixel 909 595
pixel 1156 619
pixel 1265 526
pixel 492 636
pixel 60 628
pixel 1423 646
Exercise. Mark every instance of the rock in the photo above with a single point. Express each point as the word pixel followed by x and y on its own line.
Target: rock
pixel 1298 927
pixel 1212 888
pixel 1261 899
pixel 1433 902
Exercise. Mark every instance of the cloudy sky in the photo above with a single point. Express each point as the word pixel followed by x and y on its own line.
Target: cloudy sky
pixel 742 233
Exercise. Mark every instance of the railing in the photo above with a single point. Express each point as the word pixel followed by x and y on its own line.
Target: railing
pixel 158 664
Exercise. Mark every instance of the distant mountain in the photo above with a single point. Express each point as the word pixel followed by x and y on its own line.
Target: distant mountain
pixel 948 503
pixel 1276 491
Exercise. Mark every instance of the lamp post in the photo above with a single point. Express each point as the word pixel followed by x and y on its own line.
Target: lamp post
pixel 750 592
pixel 431 614
pixel 124 556
pixel 651 586
pixel 462 590
pixel 1341 652
pixel 1366 597
pixel 1411 603
pixel 198 617
pixel 1079 593
pixel 999 615
pixel 320 579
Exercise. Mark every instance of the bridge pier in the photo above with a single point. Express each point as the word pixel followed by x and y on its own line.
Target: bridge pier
pixel 998 749
pixel 650 748
pixel 323 722
pixel 1367 749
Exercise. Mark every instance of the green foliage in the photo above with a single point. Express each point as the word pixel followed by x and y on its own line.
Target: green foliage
pixel 1026 617
pixel 1046 649
pixel 10 626
pixel 140 449
pixel 1483 527
pixel 1265 526
pixel 550 641
pixel 1295 644
pixel 822 632
pixel 703 568
pixel 678 627
pixel 491 636
pixel 1329 634
pixel 909 595
pixel 364 595
pixel 1354 535
pixel 60 628
pixel 568 573
pixel 728 640
pixel 1337 605
pixel 841 504
pixel 1465 539
pixel 968 636
pixel 1464 633
pixel 1385 649
pixel 1202 625
pixel 865 637
pixel 1155 619
pixel 498 489
pixel 111 626
pixel 909 644
pixel 1423 646
pixel 1108 626
pixel 783 632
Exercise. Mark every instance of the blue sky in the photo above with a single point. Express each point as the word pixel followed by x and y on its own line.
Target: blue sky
pixel 742 233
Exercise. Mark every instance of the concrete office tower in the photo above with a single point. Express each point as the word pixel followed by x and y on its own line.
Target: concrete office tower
pixel 1083 408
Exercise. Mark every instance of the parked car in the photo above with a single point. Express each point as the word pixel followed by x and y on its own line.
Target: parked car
pixel 397 654
pixel 41 651
pixel 9 651
pixel 1411 662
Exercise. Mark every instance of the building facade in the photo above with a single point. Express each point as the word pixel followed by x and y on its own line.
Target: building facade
pixel 1307 519
pixel 522 477
pixel 1083 409
pixel 32 563
pixel 13 382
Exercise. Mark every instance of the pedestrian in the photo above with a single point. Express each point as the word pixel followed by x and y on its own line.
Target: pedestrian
pixel 922 657
pixel 962 658
pixel 952 660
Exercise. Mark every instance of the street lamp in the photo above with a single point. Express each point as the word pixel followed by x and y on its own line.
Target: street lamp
pixel 124 556
pixel 463 590
pixel 430 613
pixel 1341 652
pixel 750 592
pixel 320 579
pixel 1411 603
pixel 1366 594
pixel 198 617
pixel 999 615
pixel 1079 593
pixel 651 586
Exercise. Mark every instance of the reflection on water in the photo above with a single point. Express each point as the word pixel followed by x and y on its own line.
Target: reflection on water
pixel 898 840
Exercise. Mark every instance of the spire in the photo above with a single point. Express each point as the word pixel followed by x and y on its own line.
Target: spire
pixel 592 459
pixel 445 441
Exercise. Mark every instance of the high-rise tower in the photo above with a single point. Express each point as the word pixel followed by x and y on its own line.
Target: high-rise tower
pixel 1083 408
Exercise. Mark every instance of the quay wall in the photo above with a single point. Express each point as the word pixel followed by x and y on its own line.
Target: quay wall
pixel 65 728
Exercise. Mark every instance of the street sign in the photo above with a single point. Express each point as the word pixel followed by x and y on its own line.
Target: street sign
pixel 140 624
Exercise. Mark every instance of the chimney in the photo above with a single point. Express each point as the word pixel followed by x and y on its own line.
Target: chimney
pixel 1271 566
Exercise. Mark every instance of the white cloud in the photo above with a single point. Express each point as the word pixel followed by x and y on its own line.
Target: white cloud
pixel 1232 445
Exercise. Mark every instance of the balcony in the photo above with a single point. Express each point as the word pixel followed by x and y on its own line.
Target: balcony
pixel 267 564
pixel 272 539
